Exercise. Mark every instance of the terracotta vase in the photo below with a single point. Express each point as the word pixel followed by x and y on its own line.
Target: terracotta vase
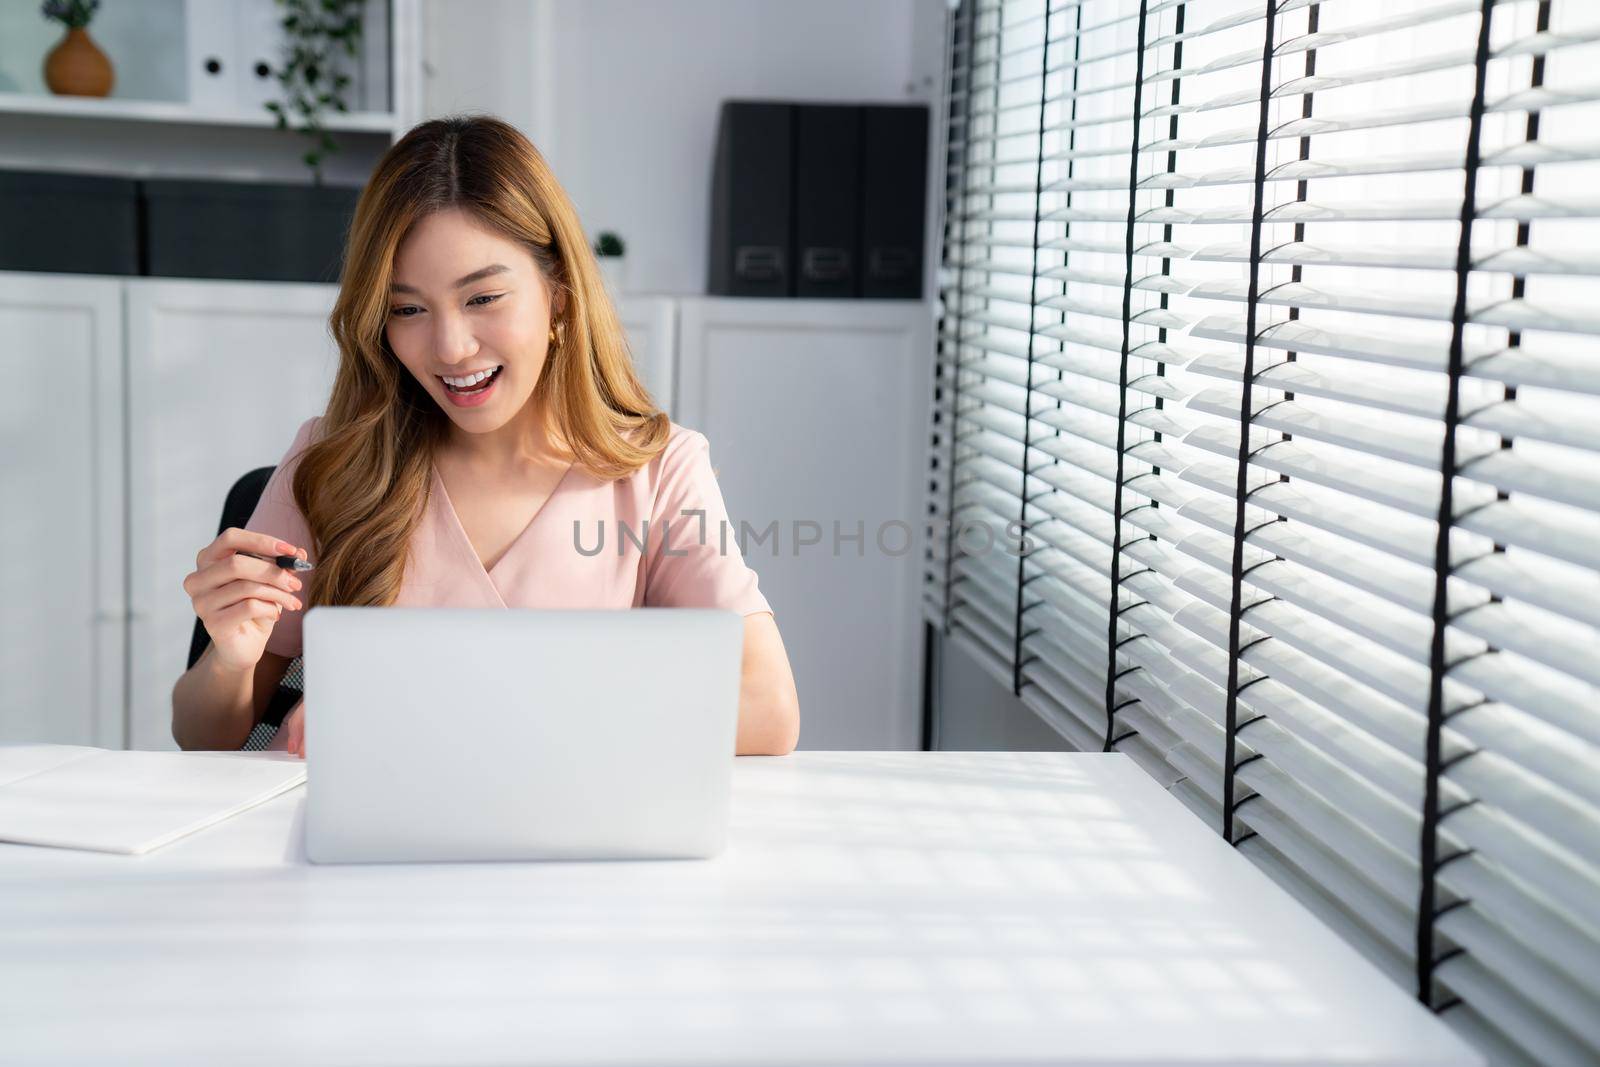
pixel 77 67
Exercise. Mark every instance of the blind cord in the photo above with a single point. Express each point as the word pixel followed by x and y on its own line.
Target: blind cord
pixel 1428 910
pixel 1033 336
pixel 961 296
pixel 1114 608
pixel 1242 487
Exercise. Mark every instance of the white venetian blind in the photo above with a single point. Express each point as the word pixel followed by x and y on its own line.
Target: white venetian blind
pixel 1152 203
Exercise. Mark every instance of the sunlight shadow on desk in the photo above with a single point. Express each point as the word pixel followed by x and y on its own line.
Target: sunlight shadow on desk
pixel 1065 907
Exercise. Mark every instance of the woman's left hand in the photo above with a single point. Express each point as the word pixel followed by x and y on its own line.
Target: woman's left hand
pixel 294 727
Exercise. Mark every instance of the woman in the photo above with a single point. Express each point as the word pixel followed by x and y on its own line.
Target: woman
pixel 485 432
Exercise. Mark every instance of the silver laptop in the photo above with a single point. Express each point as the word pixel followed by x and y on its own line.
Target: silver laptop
pixel 490 734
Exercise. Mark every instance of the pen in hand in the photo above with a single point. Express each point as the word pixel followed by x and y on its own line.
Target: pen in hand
pixel 288 563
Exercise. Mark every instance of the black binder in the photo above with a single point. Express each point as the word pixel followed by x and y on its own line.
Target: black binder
pixel 827 200
pixel 894 194
pixel 752 201
pixel 818 200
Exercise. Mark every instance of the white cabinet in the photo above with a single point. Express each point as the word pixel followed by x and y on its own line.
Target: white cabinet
pixel 220 375
pixel 135 404
pixel 61 509
pixel 651 324
pixel 170 117
pixel 817 414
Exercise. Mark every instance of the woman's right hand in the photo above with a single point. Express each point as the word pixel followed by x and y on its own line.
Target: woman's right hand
pixel 240 598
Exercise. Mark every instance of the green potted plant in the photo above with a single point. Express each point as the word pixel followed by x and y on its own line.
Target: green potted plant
pixel 608 250
pixel 317 31
pixel 76 66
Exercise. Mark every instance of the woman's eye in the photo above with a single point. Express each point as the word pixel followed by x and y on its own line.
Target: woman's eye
pixel 403 312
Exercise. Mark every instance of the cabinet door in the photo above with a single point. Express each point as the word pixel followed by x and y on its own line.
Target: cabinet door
pixel 817 414
pixel 651 325
pixel 62 596
pixel 220 375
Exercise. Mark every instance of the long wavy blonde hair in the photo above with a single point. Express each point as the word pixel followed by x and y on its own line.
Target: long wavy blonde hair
pixel 363 483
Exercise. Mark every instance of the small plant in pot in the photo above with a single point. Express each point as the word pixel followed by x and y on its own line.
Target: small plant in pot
pixel 608 250
pixel 76 66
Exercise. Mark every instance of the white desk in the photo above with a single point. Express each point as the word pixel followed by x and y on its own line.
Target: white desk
pixel 873 908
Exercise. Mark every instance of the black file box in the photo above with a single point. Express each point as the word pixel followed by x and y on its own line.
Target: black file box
pixel 72 223
pixel 894 194
pixel 243 230
pixel 827 203
pixel 819 200
pixel 752 201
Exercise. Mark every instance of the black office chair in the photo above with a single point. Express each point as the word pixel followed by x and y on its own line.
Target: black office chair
pixel 236 511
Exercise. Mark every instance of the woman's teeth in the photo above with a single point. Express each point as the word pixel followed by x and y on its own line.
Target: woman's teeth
pixel 471 382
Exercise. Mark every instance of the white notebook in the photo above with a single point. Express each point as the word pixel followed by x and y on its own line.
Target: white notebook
pixel 74 796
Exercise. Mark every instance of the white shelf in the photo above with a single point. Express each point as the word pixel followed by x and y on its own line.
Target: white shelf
pixel 182 114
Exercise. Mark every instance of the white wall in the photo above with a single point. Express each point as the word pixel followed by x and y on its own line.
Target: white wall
pixel 621 96
pixel 974 713
pixel 465 68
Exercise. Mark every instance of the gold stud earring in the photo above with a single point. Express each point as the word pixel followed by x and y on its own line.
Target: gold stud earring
pixel 553 339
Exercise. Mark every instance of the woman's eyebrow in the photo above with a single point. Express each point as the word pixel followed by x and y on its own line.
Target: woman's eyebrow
pixel 477 275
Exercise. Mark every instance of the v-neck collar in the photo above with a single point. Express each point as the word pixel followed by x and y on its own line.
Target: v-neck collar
pixel 454 520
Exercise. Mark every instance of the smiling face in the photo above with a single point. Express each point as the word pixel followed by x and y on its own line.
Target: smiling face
pixel 469 316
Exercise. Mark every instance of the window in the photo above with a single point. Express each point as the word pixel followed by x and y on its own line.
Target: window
pixel 1280 320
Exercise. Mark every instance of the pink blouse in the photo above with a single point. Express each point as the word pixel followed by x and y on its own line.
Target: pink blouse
pixel 581 549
